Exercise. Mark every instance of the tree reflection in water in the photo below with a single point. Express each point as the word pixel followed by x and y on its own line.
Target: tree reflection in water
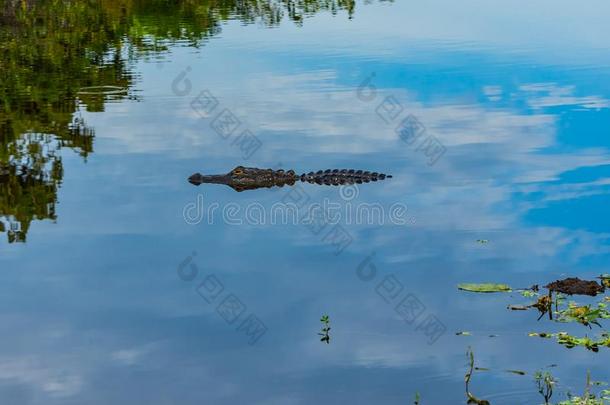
pixel 51 51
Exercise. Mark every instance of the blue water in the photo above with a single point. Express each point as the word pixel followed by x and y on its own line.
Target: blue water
pixel 93 307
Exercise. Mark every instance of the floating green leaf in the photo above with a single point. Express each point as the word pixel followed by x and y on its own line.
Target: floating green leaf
pixel 484 287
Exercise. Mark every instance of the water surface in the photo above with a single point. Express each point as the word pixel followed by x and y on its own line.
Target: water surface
pixel 93 196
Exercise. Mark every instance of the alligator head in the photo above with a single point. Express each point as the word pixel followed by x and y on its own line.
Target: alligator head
pixel 247 178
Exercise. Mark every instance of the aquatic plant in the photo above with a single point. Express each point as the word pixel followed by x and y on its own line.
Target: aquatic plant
pixel 544 305
pixel 325 329
pixel 605 278
pixel 589 398
pixel 528 293
pixel 569 341
pixel 545 382
pixel 557 310
pixel 471 398
pixel 584 315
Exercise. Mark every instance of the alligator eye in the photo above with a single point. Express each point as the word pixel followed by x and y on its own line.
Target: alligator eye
pixel 238 171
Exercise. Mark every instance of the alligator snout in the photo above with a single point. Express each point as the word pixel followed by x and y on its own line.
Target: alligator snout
pixel 195 179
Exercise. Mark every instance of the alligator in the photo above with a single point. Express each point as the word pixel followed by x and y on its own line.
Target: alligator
pixel 250 178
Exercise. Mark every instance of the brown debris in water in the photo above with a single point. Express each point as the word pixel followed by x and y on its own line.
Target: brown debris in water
pixel 576 286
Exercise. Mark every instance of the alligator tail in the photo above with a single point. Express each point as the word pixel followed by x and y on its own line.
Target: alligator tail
pixel 338 177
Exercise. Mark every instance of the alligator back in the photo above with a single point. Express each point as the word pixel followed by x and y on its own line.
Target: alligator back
pixel 338 177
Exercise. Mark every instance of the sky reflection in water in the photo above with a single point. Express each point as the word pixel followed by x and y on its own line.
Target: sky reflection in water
pixel 95 312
